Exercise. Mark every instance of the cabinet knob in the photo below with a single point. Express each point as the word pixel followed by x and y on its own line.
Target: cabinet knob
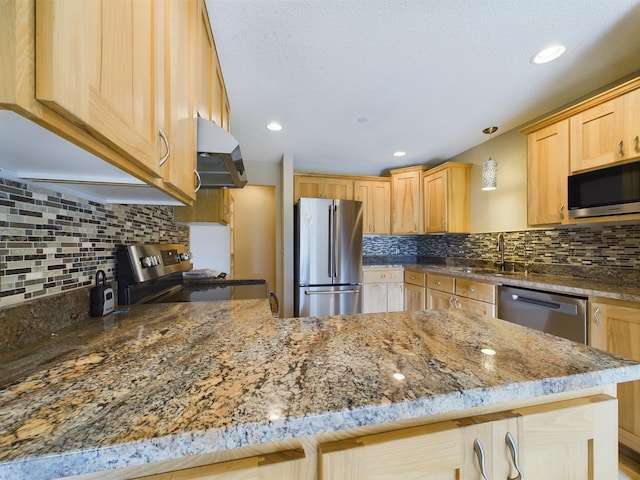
pixel 438 282
pixel 383 276
pixel 413 277
pixel 472 289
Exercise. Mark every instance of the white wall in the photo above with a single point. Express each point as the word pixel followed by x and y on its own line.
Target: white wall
pixel 210 246
pixel 505 208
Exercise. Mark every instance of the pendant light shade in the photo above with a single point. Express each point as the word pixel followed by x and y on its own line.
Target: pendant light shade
pixel 489 174
pixel 489 166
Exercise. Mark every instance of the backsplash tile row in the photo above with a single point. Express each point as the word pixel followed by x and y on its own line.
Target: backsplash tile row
pixel 52 242
pixel 605 247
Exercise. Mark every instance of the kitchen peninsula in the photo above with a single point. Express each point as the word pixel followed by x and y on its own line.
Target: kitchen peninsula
pixel 166 387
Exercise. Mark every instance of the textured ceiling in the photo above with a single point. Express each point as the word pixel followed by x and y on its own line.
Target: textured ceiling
pixel 352 81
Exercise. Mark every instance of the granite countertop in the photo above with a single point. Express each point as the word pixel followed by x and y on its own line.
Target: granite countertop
pixel 556 283
pixel 159 382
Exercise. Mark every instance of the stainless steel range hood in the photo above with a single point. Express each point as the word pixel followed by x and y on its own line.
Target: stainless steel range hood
pixel 219 161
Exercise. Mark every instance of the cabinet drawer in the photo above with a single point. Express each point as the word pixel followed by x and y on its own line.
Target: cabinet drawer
pixel 485 292
pixel 441 282
pixel 475 306
pixel 415 278
pixel 383 275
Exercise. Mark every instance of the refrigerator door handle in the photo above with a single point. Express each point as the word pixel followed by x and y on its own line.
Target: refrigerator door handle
pixel 336 241
pixel 332 292
pixel 330 243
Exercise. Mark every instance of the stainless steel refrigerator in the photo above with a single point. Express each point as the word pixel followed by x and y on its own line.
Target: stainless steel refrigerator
pixel 328 257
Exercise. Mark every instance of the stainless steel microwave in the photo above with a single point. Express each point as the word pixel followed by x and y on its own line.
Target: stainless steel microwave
pixel 607 191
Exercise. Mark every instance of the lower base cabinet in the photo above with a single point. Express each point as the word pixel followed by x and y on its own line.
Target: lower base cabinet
pixel 445 292
pixel 382 290
pixel 414 290
pixel 564 440
pixel 614 326
pixel 283 465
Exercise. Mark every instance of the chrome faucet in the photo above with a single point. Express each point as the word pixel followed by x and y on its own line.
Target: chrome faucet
pixel 501 250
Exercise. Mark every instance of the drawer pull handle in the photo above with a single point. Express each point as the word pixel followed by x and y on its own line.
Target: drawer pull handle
pixel 514 456
pixel 165 140
pixel 596 316
pixel 620 146
pixel 438 282
pixel 477 447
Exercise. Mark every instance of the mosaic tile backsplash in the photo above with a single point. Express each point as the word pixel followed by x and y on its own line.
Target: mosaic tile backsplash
pixel 51 242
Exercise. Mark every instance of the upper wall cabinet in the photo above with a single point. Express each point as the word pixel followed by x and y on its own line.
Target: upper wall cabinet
pixel 119 83
pixel 606 133
pixel 406 200
pixel 375 196
pixel 322 186
pixel 447 198
pixel 595 133
pixel 547 171
pixel 111 49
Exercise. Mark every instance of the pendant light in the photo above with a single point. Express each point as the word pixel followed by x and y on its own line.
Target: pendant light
pixel 489 166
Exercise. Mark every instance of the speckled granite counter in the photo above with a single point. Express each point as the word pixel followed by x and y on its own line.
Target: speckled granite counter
pixel 171 380
pixel 556 283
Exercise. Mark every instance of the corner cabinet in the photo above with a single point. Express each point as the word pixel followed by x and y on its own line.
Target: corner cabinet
pixel 547 171
pixel 414 289
pixel 406 200
pixel 614 326
pixel 447 198
pixel 382 290
pixel 568 439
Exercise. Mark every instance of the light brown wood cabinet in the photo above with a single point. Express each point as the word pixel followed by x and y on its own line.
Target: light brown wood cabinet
pixel 406 200
pixel 113 91
pixel 382 290
pixel 547 171
pixel 447 198
pixel 414 289
pixel 284 465
pixel 375 196
pixel 445 292
pixel 606 133
pixel 211 205
pixel 614 326
pixel 129 100
pixel 312 185
pixel 569 439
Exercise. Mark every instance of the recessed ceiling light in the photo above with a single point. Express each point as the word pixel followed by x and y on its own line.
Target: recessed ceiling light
pixel 399 153
pixel 548 54
pixel 274 126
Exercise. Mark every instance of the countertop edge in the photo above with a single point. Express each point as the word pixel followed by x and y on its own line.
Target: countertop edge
pixel 177 446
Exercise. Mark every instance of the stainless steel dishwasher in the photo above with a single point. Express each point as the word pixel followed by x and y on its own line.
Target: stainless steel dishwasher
pixel 554 313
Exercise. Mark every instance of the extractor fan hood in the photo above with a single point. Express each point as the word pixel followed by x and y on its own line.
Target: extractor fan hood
pixel 219 161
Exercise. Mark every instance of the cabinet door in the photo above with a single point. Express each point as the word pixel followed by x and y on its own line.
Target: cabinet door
pixel 395 297
pixel 474 306
pixel 414 297
pixel 340 188
pixel 547 171
pixel 283 465
pixel 631 139
pixel 179 125
pixel 306 187
pixel 596 134
pixel 569 440
pixel 435 202
pixel 438 300
pixel 211 205
pixel 432 452
pixel 406 202
pixel 616 329
pixel 376 205
pixel 374 297
pixel 96 66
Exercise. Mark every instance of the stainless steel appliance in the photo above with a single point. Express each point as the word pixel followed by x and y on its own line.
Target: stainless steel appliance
pixel 606 191
pixel 153 273
pixel 328 257
pixel 554 313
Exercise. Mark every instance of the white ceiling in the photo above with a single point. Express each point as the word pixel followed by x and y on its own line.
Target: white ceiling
pixel 352 81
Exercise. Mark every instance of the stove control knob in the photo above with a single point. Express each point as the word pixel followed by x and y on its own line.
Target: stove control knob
pixel 156 260
pixel 146 261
